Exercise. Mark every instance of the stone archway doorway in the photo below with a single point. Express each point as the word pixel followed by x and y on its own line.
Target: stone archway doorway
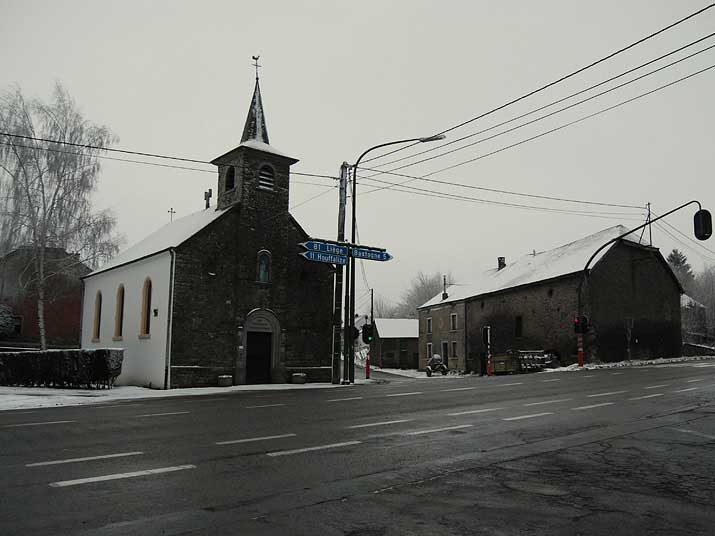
pixel 262 332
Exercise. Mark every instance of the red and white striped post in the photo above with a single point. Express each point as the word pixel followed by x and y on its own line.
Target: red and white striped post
pixel 367 365
pixel 580 349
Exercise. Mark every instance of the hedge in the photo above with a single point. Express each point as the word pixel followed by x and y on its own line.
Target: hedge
pixel 62 368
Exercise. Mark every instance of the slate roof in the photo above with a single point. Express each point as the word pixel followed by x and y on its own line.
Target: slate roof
pixel 397 328
pixel 529 269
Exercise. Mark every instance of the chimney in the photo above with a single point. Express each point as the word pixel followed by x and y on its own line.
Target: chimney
pixel 501 263
pixel 444 288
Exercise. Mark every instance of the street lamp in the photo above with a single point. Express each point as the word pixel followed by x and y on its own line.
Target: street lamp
pixel 350 311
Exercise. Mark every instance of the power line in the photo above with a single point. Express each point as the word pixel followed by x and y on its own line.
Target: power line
pixel 559 80
pixel 688 238
pixel 685 244
pixel 540 135
pixel 541 118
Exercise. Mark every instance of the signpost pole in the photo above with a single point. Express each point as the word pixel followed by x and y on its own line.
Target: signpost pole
pixel 338 292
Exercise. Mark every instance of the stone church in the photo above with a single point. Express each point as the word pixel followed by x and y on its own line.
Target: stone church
pixel 223 291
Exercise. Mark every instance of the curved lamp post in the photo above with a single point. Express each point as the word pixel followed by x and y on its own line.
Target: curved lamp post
pixel 349 348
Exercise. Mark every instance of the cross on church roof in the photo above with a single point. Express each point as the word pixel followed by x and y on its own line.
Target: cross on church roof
pixel 255 127
pixel 255 64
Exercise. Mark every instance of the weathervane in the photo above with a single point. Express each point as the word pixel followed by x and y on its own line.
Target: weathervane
pixel 255 64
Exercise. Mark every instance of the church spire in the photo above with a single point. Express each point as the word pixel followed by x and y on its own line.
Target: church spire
pixel 255 127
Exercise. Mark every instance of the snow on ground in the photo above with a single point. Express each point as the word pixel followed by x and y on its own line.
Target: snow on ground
pixel 633 363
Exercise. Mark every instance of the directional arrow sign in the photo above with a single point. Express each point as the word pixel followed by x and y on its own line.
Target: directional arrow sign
pixel 317 256
pixel 325 247
pixel 370 254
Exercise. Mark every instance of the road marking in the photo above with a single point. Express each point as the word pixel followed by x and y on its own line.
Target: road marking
pixel 86 459
pixel 383 423
pixel 163 414
pixel 509 384
pixel 344 399
pixel 685 390
pixel 252 439
pixel 470 412
pixel 656 386
pixel 553 380
pixel 696 380
pixel 406 394
pixel 458 389
pixel 35 424
pixel 520 417
pixel 210 399
pixel 65 483
pixel 265 406
pixel 607 394
pixel 646 396
pixel 587 376
pixel 435 430
pixel 703 366
pixel 616 373
pixel 593 406
pixel 310 449
pixel 700 434
pixel 110 406
pixel 549 402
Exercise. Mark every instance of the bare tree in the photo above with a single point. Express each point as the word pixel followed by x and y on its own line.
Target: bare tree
pixel 423 288
pixel 46 186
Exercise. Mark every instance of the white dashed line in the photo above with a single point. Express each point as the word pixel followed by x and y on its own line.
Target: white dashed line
pixel 593 406
pixel 685 390
pixel 646 396
pixel 310 449
pixel 657 386
pixel 35 424
pixel 616 373
pixel 344 399
pixel 520 417
pixel 587 376
pixel 607 394
pixel 703 366
pixel 509 384
pixel 85 459
pixel 406 394
pixel 118 476
pixel 164 414
pixel 699 434
pixel 435 430
pixel 458 389
pixel 252 439
pixel 548 402
pixel 470 412
pixel 265 406
pixel 553 380
pixel 696 380
pixel 382 423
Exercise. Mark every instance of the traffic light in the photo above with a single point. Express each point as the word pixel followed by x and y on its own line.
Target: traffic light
pixel 703 223
pixel 367 333
pixel 580 324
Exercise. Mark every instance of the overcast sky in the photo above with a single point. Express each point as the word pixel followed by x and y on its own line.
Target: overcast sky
pixel 339 77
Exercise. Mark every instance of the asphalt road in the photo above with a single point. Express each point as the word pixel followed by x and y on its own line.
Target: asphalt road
pixel 627 451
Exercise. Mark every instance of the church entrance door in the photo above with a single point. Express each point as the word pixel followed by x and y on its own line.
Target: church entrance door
pixel 259 349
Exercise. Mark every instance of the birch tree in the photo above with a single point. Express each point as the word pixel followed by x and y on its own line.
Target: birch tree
pixel 48 172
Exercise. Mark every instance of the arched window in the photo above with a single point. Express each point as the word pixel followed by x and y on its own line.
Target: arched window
pixel 146 309
pixel 119 314
pixel 230 178
pixel 97 316
pixel 266 177
pixel 264 266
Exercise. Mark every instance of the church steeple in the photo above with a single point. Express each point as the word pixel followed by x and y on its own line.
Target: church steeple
pixel 255 127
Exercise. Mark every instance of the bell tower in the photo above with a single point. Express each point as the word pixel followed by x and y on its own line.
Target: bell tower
pixel 254 174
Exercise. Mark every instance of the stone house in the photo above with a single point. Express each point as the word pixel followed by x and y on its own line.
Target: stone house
pixel 63 295
pixel 694 319
pixel 223 291
pixel 395 343
pixel 632 300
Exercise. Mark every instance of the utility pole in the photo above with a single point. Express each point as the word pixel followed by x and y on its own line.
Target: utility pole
pixel 650 231
pixel 338 296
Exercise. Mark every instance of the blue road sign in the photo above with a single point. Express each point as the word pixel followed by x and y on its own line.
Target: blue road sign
pixel 317 256
pixel 370 254
pixel 325 247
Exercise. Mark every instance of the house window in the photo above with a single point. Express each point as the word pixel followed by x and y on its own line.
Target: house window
pixel 445 349
pixel 429 350
pixel 266 178
pixel 230 178
pixel 264 266
pixel 97 316
pixel 119 314
pixel 453 321
pixel 429 325
pixel 518 326
pixel 454 348
pixel 145 327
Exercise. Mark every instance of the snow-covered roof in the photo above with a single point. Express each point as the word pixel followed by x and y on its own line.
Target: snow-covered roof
pixel 532 268
pixel 687 301
pixel 397 328
pixel 260 146
pixel 170 235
